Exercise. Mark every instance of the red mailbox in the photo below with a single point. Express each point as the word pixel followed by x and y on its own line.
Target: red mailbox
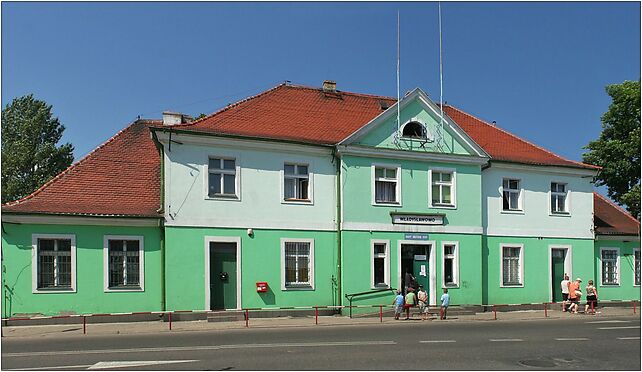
pixel 261 286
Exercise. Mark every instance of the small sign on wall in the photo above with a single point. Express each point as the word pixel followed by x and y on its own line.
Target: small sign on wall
pixel 416 236
pixel 418 219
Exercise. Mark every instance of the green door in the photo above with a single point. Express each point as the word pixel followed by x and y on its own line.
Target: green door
pixel 420 271
pixel 222 276
pixel 557 272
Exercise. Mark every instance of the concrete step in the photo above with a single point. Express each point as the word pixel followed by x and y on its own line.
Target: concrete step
pixel 226 316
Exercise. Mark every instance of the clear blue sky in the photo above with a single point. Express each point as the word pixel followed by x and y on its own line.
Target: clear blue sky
pixel 538 69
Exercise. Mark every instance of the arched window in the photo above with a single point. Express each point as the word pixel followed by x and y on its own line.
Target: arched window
pixel 414 129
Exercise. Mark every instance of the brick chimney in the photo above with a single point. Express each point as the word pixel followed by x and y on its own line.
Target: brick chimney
pixel 329 86
pixel 173 118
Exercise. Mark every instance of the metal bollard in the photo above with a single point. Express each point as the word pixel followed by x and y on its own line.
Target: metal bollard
pixel 380 313
pixel 170 321
pixel 495 312
pixel 545 310
pixel 247 318
pixel 316 315
pixel 84 325
pixel 634 307
pixel 593 307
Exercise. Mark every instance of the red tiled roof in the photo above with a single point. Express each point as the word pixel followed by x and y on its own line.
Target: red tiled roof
pixel 294 113
pixel 610 219
pixel 504 146
pixel 121 177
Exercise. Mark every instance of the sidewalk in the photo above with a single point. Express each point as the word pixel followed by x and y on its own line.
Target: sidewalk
pixel 65 330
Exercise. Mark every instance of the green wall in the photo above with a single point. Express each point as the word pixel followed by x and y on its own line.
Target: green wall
pixel 356 266
pixel 625 290
pixel 260 261
pixel 90 296
pixel 536 278
pixel 357 191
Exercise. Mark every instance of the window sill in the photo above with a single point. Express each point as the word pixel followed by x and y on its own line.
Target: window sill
pixel 442 206
pixel 609 285
pixel 297 201
pixel 376 204
pixel 54 290
pixel 559 214
pixel 124 289
pixel 221 197
pixel 515 211
pixel 298 288
pixel 512 286
pixel 375 287
pixel 450 285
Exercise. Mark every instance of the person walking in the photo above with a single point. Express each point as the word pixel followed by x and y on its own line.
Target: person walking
pixel 564 287
pixel 575 295
pixel 411 301
pixel 591 298
pixel 422 297
pixel 398 303
pixel 445 301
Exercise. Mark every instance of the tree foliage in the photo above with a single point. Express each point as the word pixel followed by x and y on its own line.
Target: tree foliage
pixel 617 150
pixel 30 155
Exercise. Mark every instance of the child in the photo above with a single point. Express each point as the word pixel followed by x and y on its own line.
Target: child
pixel 398 302
pixel 445 301
pixel 422 296
pixel 411 300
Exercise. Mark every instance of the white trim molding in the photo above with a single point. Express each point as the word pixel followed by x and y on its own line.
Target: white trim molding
pixel 618 267
pixel 386 263
pixel 455 259
pixel 453 190
pixel 311 271
pixel 222 239
pixel 51 219
pixel 568 265
pixel 543 169
pixel 389 227
pixel 520 262
pixel 243 224
pixel 141 262
pixel 377 152
pixel 34 263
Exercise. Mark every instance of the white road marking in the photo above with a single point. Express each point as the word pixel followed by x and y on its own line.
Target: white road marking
pixel 608 321
pixel 194 348
pixel 629 338
pixel 505 339
pixel 435 341
pixel 48 368
pixel 627 327
pixel 136 363
pixel 572 339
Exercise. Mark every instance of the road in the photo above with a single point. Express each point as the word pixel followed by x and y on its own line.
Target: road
pixel 574 343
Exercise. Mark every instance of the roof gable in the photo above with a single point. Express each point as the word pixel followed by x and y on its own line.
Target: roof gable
pixel 610 219
pixel 121 177
pixel 416 107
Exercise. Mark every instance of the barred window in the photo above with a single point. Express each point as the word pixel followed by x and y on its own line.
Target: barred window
pixel 511 266
pixel 610 267
pixel 636 254
pixel 298 268
pixel 54 263
pixel 124 263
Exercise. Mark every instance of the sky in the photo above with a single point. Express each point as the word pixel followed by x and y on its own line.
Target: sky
pixel 538 69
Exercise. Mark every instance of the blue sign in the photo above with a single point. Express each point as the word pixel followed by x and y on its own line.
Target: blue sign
pixel 416 236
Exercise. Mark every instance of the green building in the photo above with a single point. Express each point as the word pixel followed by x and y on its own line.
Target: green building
pixel 299 196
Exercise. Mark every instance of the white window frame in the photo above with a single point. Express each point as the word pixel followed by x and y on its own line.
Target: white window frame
pixel 141 262
pixel 309 287
pixel 386 263
pixel 373 180
pixel 453 188
pixel 520 198
pixel 567 200
pixel 617 267
pixel 310 200
pixel 635 250
pixel 455 258
pixel 237 178
pixel 34 263
pixel 521 265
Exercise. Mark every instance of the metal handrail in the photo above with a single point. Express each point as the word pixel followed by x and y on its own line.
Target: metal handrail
pixel 349 297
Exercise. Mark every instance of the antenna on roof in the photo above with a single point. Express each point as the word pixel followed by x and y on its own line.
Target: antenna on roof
pixel 441 87
pixel 398 89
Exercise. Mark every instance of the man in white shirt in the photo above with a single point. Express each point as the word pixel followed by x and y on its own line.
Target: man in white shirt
pixel 564 286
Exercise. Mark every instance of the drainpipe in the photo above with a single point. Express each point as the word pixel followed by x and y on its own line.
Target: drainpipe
pixel 337 160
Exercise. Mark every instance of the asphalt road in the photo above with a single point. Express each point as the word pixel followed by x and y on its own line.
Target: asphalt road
pixel 575 343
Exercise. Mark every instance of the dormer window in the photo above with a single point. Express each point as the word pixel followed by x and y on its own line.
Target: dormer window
pixel 414 130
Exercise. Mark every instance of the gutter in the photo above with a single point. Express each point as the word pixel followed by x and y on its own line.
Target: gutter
pixel 337 159
pixel 160 148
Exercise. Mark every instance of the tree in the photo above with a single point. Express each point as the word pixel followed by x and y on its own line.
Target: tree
pixel 30 156
pixel 617 150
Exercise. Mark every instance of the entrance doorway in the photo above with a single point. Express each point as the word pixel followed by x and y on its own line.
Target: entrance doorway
pixel 223 275
pixel 560 264
pixel 418 260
